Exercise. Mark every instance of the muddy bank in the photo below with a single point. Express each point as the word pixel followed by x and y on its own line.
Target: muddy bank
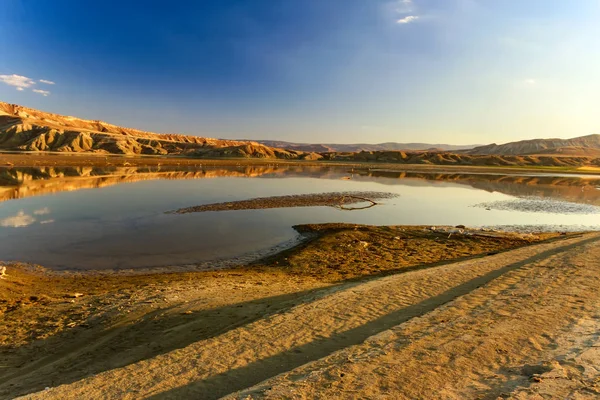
pixel 60 328
pixel 342 200
pixel 477 328
pixel 541 205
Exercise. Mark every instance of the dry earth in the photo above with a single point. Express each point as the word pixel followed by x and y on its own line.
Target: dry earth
pixel 390 312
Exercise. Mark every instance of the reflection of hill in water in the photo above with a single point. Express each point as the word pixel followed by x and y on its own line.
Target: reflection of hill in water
pixel 16 183
pixel 23 182
pixel 567 188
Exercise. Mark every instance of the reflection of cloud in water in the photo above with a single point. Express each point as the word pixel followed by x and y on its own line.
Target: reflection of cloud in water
pixel 18 221
pixel 47 221
pixel 541 205
pixel 42 211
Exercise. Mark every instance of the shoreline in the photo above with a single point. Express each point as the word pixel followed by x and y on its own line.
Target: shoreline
pixel 61 330
pixel 307 233
pixel 13 159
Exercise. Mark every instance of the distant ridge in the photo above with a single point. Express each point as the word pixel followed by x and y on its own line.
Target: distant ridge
pixel 580 146
pixel 388 146
pixel 27 129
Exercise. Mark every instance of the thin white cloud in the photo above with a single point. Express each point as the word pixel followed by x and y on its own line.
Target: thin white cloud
pixel 20 89
pixel 408 19
pixel 42 92
pixel 404 6
pixel 46 82
pixel 17 221
pixel 42 211
pixel 47 221
pixel 18 81
pixel 530 81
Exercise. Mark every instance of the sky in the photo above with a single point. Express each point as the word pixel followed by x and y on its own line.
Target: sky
pixel 326 71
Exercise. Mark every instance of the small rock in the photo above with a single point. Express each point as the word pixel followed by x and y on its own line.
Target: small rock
pixel 534 370
pixel 460 226
pixel 2 272
pixel 74 295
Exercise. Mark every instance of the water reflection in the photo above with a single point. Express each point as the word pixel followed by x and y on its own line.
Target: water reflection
pixel 572 188
pixel 17 183
pixel 47 216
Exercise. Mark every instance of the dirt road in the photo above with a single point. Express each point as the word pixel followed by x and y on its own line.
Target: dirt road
pixel 481 328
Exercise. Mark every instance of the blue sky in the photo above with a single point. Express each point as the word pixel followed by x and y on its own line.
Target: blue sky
pixel 439 71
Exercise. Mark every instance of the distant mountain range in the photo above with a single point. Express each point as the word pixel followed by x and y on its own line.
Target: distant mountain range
pixel 27 129
pixel 580 146
pixel 353 148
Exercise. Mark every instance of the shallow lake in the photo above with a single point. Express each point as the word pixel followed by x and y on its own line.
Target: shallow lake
pixel 94 218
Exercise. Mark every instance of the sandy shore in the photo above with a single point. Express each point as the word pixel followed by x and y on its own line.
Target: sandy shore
pixel 379 312
pixel 354 312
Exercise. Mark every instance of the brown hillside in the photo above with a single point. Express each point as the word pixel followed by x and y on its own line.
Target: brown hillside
pixel 26 129
pixel 357 147
pixel 580 146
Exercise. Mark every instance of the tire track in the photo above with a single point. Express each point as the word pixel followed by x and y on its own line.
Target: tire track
pixel 481 345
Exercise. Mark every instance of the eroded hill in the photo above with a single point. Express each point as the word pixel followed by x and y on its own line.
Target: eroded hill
pixel 27 129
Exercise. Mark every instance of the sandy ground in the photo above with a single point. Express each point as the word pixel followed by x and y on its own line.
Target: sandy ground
pixel 375 312
pixel 522 325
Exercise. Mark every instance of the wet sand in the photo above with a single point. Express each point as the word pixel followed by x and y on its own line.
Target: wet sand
pixel 342 200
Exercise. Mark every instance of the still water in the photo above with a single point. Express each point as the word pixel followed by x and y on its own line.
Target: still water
pixel 92 218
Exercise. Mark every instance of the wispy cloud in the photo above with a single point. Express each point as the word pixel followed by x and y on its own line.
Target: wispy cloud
pixel 42 92
pixel 47 221
pixel 407 9
pixel 530 81
pixel 404 6
pixel 18 81
pixel 17 221
pixel 42 211
pixel 408 19
pixel 46 82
